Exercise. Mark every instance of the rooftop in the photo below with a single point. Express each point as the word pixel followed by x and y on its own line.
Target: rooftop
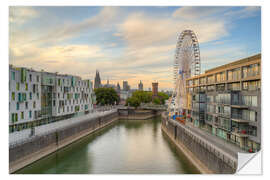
pixel 241 61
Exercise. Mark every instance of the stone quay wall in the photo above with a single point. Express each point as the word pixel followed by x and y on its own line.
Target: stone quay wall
pixel 26 153
pixel 205 157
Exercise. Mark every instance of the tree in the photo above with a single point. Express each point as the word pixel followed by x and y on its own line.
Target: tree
pixel 143 96
pixel 106 96
pixel 156 101
pixel 133 101
pixel 163 97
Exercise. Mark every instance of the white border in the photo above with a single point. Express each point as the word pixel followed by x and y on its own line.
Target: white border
pixel 4 75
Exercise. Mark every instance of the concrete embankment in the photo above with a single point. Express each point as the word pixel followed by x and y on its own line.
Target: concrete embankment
pixel 205 156
pixel 26 153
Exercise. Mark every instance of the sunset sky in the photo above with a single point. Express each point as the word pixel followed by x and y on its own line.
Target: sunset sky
pixel 128 43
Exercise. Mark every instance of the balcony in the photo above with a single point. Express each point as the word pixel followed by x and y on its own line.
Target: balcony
pixel 240 120
pixel 239 106
pixel 240 132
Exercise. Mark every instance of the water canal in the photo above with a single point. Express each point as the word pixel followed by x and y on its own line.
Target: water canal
pixel 126 147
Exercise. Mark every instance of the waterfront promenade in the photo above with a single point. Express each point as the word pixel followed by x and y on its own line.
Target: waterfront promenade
pixel 223 145
pixel 20 137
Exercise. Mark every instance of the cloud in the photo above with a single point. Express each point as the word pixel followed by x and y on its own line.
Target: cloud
pixel 245 12
pixel 20 15
pixel 196 12
pixel 66 58
pixel 219 55
pixel 140 30
pixel 69 30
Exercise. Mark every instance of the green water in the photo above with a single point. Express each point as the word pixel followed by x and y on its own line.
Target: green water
pixel 126 147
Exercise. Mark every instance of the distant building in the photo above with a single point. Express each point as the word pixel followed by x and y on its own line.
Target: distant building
pixel 155 89
pixel 140 86
pixel 118 88
pixel 97 81
pixel 108 85
pixel 126 87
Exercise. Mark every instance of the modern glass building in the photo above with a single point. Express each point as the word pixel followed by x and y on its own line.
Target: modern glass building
pixel 38 97
pixel 226 102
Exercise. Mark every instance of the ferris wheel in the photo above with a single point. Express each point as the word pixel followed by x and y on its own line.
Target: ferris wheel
pixel 186 64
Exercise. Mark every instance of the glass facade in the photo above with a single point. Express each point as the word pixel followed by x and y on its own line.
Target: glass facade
pixel 250 101
pixel 223 98
pixel 252 85
pixel 221 76
pixel 251 70
pixel 234 74
pixel 211 79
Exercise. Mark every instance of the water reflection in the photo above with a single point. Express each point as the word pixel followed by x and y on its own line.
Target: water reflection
pixel 128 146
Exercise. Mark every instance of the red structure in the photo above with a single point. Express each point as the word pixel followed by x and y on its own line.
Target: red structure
pixel 154 89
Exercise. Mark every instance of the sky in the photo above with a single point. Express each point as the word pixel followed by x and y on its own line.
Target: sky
pixel 128 43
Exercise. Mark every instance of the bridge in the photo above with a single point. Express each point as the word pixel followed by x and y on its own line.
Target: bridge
pixel 154 107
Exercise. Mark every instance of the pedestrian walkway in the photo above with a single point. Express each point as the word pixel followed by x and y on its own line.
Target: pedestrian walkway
pixel 228 147
pixel 19 137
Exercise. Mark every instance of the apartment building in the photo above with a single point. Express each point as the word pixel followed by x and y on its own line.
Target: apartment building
pixel 226 102
pixel 39 97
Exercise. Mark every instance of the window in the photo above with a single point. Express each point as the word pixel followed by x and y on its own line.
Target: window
pixel 236 74
pixel 13 75
pixel 245 72
pixel 34 104
pixel 26 105
pixel 30 114
pixel 12 117
pixel 17 106
pixel 13 95
pixel 254 101
pixel 253 130
pixel 26 86
pixel 17 86
pixel 37 95
pixel 234 86
pixel 19 97
pixel 230 76
pixel 252 116
pixel 250 101
pixel 30 95
pixel 22 115
pixel 30 77
pixel 245 85
pixel 211 88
